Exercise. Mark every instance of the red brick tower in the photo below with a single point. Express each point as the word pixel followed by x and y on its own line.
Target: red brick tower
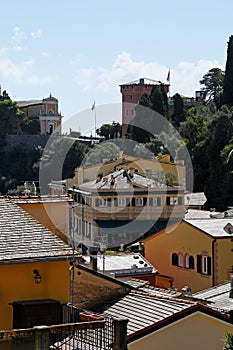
pixel 131 94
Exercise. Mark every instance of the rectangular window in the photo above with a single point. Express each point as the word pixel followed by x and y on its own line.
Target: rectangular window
pixel 139 202
pixel 156 201
pixel 126 111
pixel 204 264
pixel 173 201
pixel 103 202
pixel 132 111
pixel 121 202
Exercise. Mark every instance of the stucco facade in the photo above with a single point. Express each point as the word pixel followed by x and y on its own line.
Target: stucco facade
pixel 190 255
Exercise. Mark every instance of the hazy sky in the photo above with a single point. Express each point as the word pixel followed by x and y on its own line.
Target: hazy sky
pixel 81 51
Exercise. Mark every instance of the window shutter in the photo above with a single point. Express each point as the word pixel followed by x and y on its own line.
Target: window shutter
pixel 115 202
pixel 150 201
pixel 127 202
pixel 191 262
pixel 208 265
pixel 174 259
pixel 179 200
pixel 199 264
pixel 97 202
pixel 159 201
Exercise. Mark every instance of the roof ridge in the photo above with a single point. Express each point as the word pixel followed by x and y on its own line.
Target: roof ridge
pixel 165 297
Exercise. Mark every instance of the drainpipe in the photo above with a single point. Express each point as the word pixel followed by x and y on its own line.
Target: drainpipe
pixel 213 262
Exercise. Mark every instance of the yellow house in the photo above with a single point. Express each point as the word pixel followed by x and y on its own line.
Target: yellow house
pixel 121 207
pixel 46 111
pixel 196 252
pixel 157 167
pixel 165 322
pixel 50 211
pixel 34 270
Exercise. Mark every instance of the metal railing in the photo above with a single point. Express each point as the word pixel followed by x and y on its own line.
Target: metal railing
pixel 88 332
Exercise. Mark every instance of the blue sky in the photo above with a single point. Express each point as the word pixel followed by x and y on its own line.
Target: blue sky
pixel 81 51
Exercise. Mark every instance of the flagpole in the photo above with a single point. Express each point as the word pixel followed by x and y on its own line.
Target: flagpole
pixel 95 122
pixel 94 109
pixel 169 79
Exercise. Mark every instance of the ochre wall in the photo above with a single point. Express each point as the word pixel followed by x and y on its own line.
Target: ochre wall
pixel 17 283
pixel 195 332
pixel 52 215
pixel 224 261
pixel 184 239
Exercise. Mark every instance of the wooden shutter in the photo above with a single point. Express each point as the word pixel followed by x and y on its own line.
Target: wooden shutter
pixel 179 200
pixel 174 259
pixel 191 262
pixel 199 269
pixel 208 265
pixel 97 202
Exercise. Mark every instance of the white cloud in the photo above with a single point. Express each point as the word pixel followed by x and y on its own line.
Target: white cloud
pixel 20 73
pixel 19 36
pixel 36 35
pixel 184 78
pixel 45 54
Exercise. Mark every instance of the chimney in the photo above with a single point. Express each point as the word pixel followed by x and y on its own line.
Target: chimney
pixel 186 292
pixel 141 81
pixel 231 290
pixel 93 262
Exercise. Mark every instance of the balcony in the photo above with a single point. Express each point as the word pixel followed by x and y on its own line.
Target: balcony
pixel 89 332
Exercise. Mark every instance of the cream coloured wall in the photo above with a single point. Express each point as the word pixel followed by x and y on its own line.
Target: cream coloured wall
pixel 195 332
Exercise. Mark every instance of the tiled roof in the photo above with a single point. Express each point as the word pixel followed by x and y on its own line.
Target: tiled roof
pixel 38 199
pixel 145 286
pixel 144 81
pixel 28 103
pixel 122 182
pixel 193 214
pixel 217 297
pixel 195 198
pixel 143 309
pixel 213 227
pixel 22 237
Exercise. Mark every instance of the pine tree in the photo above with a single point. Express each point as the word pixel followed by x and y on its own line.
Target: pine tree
pixel 178 115
pixel 228 80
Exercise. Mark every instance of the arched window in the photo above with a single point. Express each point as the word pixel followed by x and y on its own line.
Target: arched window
pixel 187 262
pixel 180 260
pixel 174 259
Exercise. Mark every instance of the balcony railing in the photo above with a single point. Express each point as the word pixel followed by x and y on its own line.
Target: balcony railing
pixel 89 332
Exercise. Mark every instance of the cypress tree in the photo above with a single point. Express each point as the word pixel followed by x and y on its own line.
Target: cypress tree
pixel 228 80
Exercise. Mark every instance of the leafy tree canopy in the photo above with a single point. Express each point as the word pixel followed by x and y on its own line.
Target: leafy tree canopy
pixel 109 131
pixel 213 85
